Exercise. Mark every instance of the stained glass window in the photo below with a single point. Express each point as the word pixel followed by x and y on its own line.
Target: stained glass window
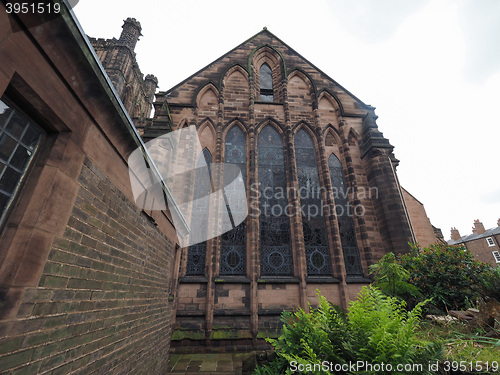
pixel 313 223
pixel 233 249
pixel 203 187
pixel 19 139
pixel 345 218
pixel 266 83
pixel 275 250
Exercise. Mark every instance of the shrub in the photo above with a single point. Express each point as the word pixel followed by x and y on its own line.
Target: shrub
pixel 376 329
pixel 492 284
pixel 448 274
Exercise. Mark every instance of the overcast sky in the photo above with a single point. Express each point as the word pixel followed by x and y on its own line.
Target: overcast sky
pixel 430 67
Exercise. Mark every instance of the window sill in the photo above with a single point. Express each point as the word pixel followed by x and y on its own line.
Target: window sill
pixel 233 280
pixel 278 280
pixel 272 103
pixel 224 312
pixel 193 279
pixel 357 280
pixel 322 280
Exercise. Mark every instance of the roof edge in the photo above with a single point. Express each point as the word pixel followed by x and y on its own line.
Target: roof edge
pixel 265 30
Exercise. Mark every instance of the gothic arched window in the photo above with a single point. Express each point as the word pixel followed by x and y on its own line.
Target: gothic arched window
pixel 275 251
pixel 313 223
pixel 233 249
pixel 344 217
pixel 203 188
pixel 266 83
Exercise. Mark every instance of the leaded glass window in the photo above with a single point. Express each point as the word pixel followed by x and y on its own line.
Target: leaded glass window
pixel 19 139
pixel 202 187
pixel 313 223
pixel 233 249
pixel 266 83
pixel 275 249
pixel 345 218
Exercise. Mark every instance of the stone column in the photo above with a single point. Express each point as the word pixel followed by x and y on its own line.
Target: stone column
pixel 253 255
pixel 361 235
pixel 335 246
pixel 296 230
pixel 390 207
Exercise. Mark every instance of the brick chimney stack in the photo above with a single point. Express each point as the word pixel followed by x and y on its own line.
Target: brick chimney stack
pixel 455 234
pixel 479 227
pixel 498 223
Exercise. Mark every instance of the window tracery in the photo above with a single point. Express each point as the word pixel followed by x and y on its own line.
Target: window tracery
pixel 313 223
pixel 345 218
pixel 203 187
pixel 233 243
pixel 276 254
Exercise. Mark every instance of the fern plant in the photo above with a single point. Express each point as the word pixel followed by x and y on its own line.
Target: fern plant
pixel 391 277
pixel 383 331
pixel 311 337
pixel 376 329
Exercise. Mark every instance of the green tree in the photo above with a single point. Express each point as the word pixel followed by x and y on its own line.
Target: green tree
pixel 448 274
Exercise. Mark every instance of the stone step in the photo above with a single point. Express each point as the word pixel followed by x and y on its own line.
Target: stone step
pixel 207 363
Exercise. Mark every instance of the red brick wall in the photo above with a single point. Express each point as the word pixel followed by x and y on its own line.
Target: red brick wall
pixel 84 275
pixel 482 251
pixel 422 226
pixel 102 300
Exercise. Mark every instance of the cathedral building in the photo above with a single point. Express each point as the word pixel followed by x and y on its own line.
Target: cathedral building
pixel 119 60
pixel 92 282
pixel 323 197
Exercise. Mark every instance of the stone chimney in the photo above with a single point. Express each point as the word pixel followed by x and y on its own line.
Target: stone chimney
pixel 498 223
pixel 455 234
pixel 130 33
pixel 479 227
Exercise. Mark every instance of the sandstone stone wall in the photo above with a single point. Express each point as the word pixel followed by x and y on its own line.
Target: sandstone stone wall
pixel 229 312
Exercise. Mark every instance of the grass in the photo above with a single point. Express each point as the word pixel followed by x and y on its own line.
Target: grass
pixel 463 342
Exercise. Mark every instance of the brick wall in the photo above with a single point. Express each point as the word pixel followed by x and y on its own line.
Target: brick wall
pixel 101 305
pixel 482 251
pixel 422 226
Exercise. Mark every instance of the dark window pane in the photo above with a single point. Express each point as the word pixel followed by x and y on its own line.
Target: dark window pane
pixel 202 188
pixel 14 157
pixel 31 137
pixel 233 243
pixel 9 181
pixel 266 98
pixel 266 83
pixel 7 147
pixel 20 158
pixel 276 254
pixel 196 259
pixel 266 77
pixel 16 126
pixel 5 112
pixel 4 200
pixel 313 223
